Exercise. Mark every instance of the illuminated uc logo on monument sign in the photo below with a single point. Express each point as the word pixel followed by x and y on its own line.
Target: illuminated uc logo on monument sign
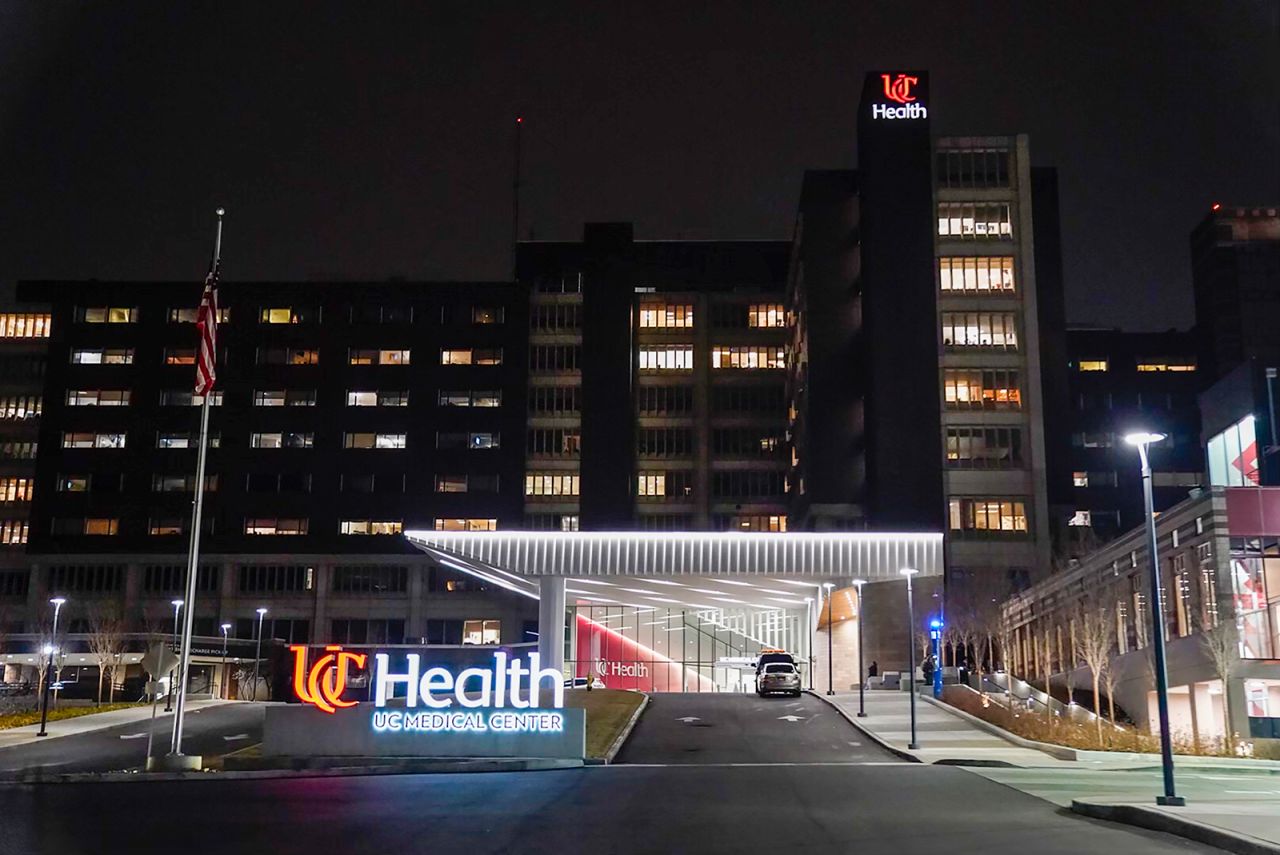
pixel 506 700
pixel 897 88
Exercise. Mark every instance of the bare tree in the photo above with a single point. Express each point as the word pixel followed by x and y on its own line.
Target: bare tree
pixel 1094 628
pixel 1046 662
pixel 1110 677
pixel 106 642
pixel 1004 637
pixel 1222 644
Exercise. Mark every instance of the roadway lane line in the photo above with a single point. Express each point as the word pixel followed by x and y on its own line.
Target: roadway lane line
pixel 132 735
pixel 754 765
pixel 235 737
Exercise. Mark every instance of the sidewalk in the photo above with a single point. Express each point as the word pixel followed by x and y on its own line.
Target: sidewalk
pixel 941 735
pixel 97 721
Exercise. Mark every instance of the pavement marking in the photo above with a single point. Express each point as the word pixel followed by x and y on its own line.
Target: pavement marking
pixel 235 737
pixel 689 718
pixel 897 763
pixel 132 735
pixel 790 718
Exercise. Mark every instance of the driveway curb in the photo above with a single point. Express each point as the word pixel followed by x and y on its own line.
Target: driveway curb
pixel 622 737
pixel 1158 820
pixel 853 720
pixel 1058 752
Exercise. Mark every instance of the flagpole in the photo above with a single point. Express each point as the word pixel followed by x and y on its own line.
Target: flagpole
pixel 193 553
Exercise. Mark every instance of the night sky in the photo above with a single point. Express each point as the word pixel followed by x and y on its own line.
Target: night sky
pixel 354 143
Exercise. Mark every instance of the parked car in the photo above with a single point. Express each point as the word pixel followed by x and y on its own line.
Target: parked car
pixel 778 677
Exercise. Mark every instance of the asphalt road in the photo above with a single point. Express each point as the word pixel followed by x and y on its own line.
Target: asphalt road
pixel 749 788
pixel 211 730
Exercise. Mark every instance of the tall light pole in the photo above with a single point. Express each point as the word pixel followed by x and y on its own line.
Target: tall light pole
pixel 49 649
pixel 1143 441
pixel 257 657
pixel 808 603
pixel 177 607
pixel 862 677
pixel 831 688
pixel 911 654
pixel 226 627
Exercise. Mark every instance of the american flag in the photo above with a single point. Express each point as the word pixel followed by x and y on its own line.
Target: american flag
pixel 207 328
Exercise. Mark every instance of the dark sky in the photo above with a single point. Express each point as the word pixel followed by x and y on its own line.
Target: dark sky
pixel 367 140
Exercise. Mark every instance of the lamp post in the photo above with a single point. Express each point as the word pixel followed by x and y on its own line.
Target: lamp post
pixel 862 677
pixel 935 634
pixel 831 687
pixel 49 649
pixel 257 657
pixel 808 604
pixel 1143 441
pixel 226 627
pixel 911 654
pixel 177 607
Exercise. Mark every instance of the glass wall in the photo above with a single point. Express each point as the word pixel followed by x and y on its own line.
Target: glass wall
pixel 1233 456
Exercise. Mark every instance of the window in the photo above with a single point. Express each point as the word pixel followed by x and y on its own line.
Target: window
pixel 370 579
pixel 554 442
pixel 468 524
pixel 164 526
pixel 451 483
pixel 556 317
pixel 101 526
pixel 276 526
pixel 86 578
pixel 102 356
pixel 972 167
pixel 482 632
pixel 186 398
pixel 748 357
pixel 274 578
pixel 1175 365
pixel 288 356
pixel 162 483
pixel 974 220
pixel 748 484
pixel 746 442
pixel 20 450
pixel 372 526
pixel 367 631
pixel 1092 365
pixel 478 440
pixel 471 356
pixel 1176 479
pixel 554 357
pixel 1233 456
pixel 766 315
pixel 551 484
pixel 664 442
pixel 976 275
pixel 677 357
pixel 1080 479
pixel 366 313
pixel 666 315
pixel 1081 518
pixel 983 517
pixel 969 389
pixel 284 398
pixel 551 522
pixel 550 400
pixel 993 330
pixel 188 314
pixel 93 440
pixel 172 578
pixel 97 397
pixel 373 440
pixel 771 399
pixel 278 482
pixel 289 315
pixel 73 483
pixel 664 522
pixel 106 314
pixel 182 439
pixel 980 447
pixel 15 490
pixel 1093 439
pixel 20 408
pixel 470 398
pixel 488 314
pixel 663 400
pixel 179 356
pixel 752 522
pixel 13 583
pixel 14 325
pixel 285 439
pixel 13 532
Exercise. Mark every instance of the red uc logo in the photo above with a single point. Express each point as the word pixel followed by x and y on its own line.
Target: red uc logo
pixel 899 88
pixel 322 685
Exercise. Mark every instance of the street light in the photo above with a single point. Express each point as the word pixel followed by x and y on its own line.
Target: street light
pixel 911 654
pixel 49 649
pixel 257 658
pixel 226 627
pixel 808 603
pixel 177 607
pixel 862 677
pixel 1143 441
pixel 831 688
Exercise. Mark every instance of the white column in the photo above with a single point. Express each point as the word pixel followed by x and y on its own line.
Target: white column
pixel 551 611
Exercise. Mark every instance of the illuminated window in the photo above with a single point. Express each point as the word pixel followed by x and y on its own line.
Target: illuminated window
pixel 1092 365
pixel 753 522
pixel 978 389
pixel 13 532
pixel 284 398
pixel 186 398
pixel 1081 518
pixel 372 526
pixel 451 483
pixel 189 314
pixel 487 314
pixel 97 397
pixel 766 315
pixel 106 314
pixel 374 440
pixel 362 399
pixel 288 356
pixel 1233 456
pixel 276 526
pixel 287 439
pixel 470 398
pixel 468 524
pixel 723 356
pixel 179 356
pixel 162 526
pixel 73 484
pixel 666 315
pixel 93 440
pixel 678 357
pixel 551 484
pixel 471 356
pixel 102 356
pixel 974 220
pixel 24 326
pixel 983 517
pixel 101 526
pixel 15 490
pixel 288 315
pixel 990 330
pixel 1170 365
pixel 651 484
pixel 482 632
pixel 1080 479
pixel 976 275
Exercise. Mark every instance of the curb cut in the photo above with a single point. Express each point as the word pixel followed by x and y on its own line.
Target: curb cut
pixel 527 764
pixel 1058 752
pixel 626 731
pixel 1156 820
pixel 892 749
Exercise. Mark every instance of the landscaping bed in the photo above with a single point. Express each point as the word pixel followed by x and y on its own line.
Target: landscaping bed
pixel 26 717
pixel 608 711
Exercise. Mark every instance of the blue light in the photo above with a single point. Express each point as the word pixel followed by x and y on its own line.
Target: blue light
pixel 935 624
